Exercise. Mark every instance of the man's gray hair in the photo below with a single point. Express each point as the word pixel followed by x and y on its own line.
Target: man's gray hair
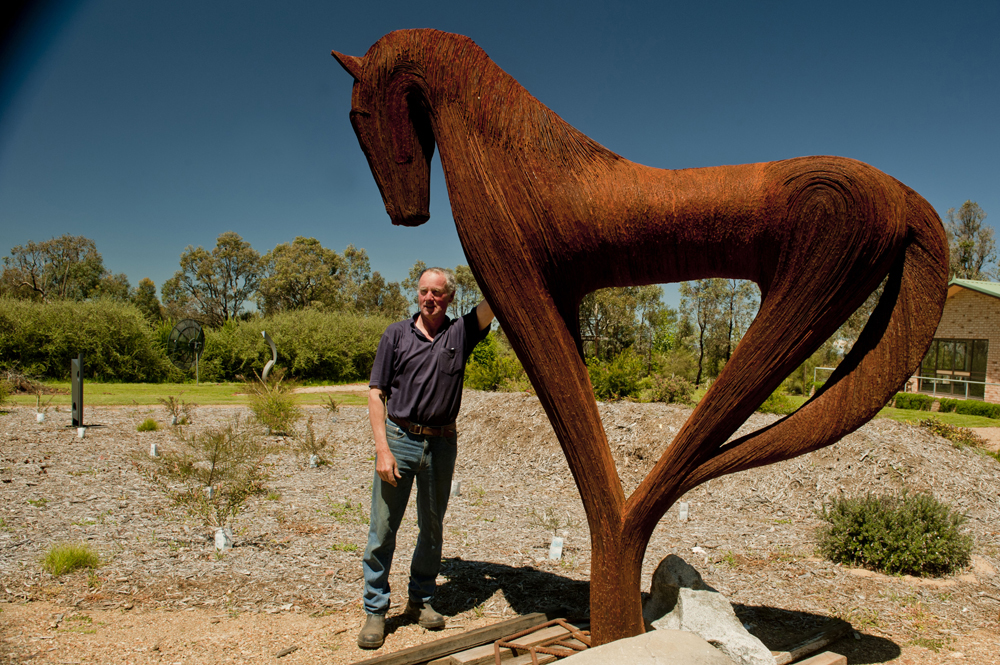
pixel 448 275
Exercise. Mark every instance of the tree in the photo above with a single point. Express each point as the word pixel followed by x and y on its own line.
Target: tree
pixel 970 243
pixel 412 281
pixel 720 311
pixel 700 300
pixel 68 267
pixel 740 300
pixel 467 293
pixel 376 296
pixel 298 275
pixel 144 298
pixel 615 319
pixel 356 271
pixel 217 283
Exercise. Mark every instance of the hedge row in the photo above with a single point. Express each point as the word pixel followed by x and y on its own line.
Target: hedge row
pixel 312 345
pixel 114 338
pixel 968 407
pixel 119 345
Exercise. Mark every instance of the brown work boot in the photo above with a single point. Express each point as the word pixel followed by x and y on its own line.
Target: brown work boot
pixel 426 616
pixel 373 634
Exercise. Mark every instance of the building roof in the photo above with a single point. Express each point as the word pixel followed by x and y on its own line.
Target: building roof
pixel 989 288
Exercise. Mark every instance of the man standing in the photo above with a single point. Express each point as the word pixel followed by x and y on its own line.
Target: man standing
pixel 414 395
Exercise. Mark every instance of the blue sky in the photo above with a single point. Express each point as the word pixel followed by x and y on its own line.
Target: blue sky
pixel 152 126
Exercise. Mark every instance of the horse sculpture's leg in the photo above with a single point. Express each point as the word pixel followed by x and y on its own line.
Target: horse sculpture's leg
pixel 547 347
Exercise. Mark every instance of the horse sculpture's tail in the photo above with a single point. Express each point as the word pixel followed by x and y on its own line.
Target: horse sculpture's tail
pixel 890 348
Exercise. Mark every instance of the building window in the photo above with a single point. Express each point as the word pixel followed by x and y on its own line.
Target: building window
pixel 952 366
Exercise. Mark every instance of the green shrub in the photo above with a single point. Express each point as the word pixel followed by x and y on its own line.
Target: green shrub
pixel 911 534
pixel 970 407
pixel 913 401
pixel 616 378
pixel 148 425
pixel 494 367
pixel 40 339
pixel 67 557
pixel 777 402
pixel 947 405
pixel 672 389
pixel 960 436
pixel 273 404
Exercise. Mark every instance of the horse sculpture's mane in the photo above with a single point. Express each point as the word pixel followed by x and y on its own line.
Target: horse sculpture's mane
pixel 499 108
pixel 546 215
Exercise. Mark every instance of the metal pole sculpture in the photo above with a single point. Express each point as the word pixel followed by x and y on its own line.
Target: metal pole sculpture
pixel 546 215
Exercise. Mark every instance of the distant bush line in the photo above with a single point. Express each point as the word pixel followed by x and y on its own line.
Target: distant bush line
pixel 118 344
pixel 967 407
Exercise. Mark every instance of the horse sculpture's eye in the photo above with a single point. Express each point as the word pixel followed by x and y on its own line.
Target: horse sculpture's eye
pixel 355 113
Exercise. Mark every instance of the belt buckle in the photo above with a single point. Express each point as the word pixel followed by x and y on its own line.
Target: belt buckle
pixel 416 429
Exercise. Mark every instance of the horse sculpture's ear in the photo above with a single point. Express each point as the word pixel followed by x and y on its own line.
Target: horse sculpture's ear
pixel 350 63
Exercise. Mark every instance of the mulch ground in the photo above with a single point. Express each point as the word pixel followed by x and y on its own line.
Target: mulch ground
pixel 294 576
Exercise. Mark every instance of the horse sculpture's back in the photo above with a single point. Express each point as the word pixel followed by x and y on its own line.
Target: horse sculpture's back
pixel 546 215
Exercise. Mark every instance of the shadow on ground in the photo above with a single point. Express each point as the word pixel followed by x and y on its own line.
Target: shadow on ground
pixel 526 589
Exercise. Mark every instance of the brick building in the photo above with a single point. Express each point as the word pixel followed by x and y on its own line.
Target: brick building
pixel 966 347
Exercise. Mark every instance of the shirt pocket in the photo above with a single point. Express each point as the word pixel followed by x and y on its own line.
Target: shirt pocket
pixel 449 360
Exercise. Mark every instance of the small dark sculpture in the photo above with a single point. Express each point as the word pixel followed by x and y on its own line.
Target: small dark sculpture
pixel 546 215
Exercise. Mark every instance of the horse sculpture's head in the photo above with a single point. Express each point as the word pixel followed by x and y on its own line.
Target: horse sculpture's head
pixel 390 116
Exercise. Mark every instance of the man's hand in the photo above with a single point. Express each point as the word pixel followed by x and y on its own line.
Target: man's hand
pixel 385 461
pixel 385 466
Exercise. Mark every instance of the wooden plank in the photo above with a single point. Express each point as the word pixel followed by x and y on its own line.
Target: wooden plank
pixel 825 658
pixel 542 635
pixel 830 634
pixel 482 655
pixel 448 645
pixel 474 656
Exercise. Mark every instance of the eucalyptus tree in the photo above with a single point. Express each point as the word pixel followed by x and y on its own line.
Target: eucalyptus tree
pixel 300 274
pixel 218 283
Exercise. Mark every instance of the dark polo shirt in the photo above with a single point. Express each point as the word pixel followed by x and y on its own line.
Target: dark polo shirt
pixel 422 379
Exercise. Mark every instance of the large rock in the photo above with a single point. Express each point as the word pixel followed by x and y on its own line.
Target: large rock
pixel 681 600
pixel 659 647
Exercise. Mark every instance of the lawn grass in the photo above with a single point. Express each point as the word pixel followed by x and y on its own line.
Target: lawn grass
pixel 204 394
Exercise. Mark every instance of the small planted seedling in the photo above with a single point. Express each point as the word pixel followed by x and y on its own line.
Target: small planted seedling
pixel 219 469
pixel 180 412
pixel 312 446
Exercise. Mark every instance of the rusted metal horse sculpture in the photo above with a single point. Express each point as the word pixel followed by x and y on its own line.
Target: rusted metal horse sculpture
pixel 546 215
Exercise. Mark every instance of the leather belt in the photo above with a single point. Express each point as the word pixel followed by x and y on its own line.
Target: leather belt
pixel 424 430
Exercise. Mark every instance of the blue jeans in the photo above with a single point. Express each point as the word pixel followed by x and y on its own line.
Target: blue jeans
pixel 431 461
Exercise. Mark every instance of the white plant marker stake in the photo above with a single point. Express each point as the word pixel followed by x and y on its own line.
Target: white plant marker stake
pixel 80 431
pixel 210 492
pixel 173 420
pixel 456 488
pixel 224 538
pixel 555 548
pixel 153 450
pixel 40 417
pixel 682 513
pixel 313 461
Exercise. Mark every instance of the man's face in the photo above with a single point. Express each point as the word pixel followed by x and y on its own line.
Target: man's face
pixel 433 296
